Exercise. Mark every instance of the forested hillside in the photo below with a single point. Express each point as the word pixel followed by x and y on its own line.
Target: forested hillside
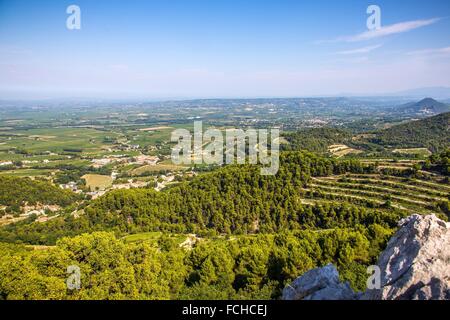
pixel 432 133
pixel 254 267
pixel 255 235
pixel 316 139
pixel 16 191
pixel 440 162
pixel 231 200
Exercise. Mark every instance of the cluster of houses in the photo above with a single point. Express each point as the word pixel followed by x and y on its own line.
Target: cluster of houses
pixel 130 184
pixel 72 185
pixel 8 163
pixel 116 159
pixel 141 160
pixel 39 210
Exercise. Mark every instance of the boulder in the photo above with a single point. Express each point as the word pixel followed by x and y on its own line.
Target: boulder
pixel 414 266
pixel 416 262
pixel 319 284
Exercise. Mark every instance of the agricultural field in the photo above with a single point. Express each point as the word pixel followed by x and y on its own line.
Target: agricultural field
pixel 28 173
pixel 161 167
pixel 97 182
pixel 423 152
pixel 381 191
pixel 57 140
pixel 391 163
pixel 341 150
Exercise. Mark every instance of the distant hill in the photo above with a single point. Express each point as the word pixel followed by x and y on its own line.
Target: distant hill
pixel 432 133
pixel 427 106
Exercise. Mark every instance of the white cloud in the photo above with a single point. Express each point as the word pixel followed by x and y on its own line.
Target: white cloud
pixel 396 28
pixel 359 50
pixel 431 51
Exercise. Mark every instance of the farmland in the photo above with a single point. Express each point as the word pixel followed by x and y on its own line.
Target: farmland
pixel 383 191
pixel 57 140
pixel 97 182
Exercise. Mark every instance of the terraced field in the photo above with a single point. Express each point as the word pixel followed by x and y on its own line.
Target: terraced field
pixel 391 164
pixel 375 190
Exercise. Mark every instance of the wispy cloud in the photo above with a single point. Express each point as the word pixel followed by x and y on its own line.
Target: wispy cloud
pixel 431 51
pixel 396 28
pixel 359 50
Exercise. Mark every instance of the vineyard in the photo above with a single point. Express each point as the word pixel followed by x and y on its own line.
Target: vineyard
pixel 381 191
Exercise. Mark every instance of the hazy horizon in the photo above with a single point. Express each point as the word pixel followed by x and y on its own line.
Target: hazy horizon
pixel 443 95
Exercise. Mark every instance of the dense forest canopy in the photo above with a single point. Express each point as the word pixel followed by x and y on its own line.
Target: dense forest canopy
pixel 257 236
pixel 316 139
pixel 15 191
pixel 256 267
pixel 432 133
pixel 440 162
pixel 231 200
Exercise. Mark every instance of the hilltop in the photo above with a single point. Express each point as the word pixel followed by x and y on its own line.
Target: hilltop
pixel 427 106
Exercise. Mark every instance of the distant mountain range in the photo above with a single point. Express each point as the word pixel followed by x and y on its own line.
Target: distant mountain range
pixel 427 106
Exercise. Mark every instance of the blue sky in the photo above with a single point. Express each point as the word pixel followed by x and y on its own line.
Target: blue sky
pixel 217 48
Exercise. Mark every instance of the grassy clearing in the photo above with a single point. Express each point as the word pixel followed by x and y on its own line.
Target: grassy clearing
pixel 341 150
pixel 145 236
pixel 97 182
pixel 414 151
pixel 153 237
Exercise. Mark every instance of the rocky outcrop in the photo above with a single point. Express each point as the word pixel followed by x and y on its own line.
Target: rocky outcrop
pixel 319 284
pixel 416 262
pixel 415 265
